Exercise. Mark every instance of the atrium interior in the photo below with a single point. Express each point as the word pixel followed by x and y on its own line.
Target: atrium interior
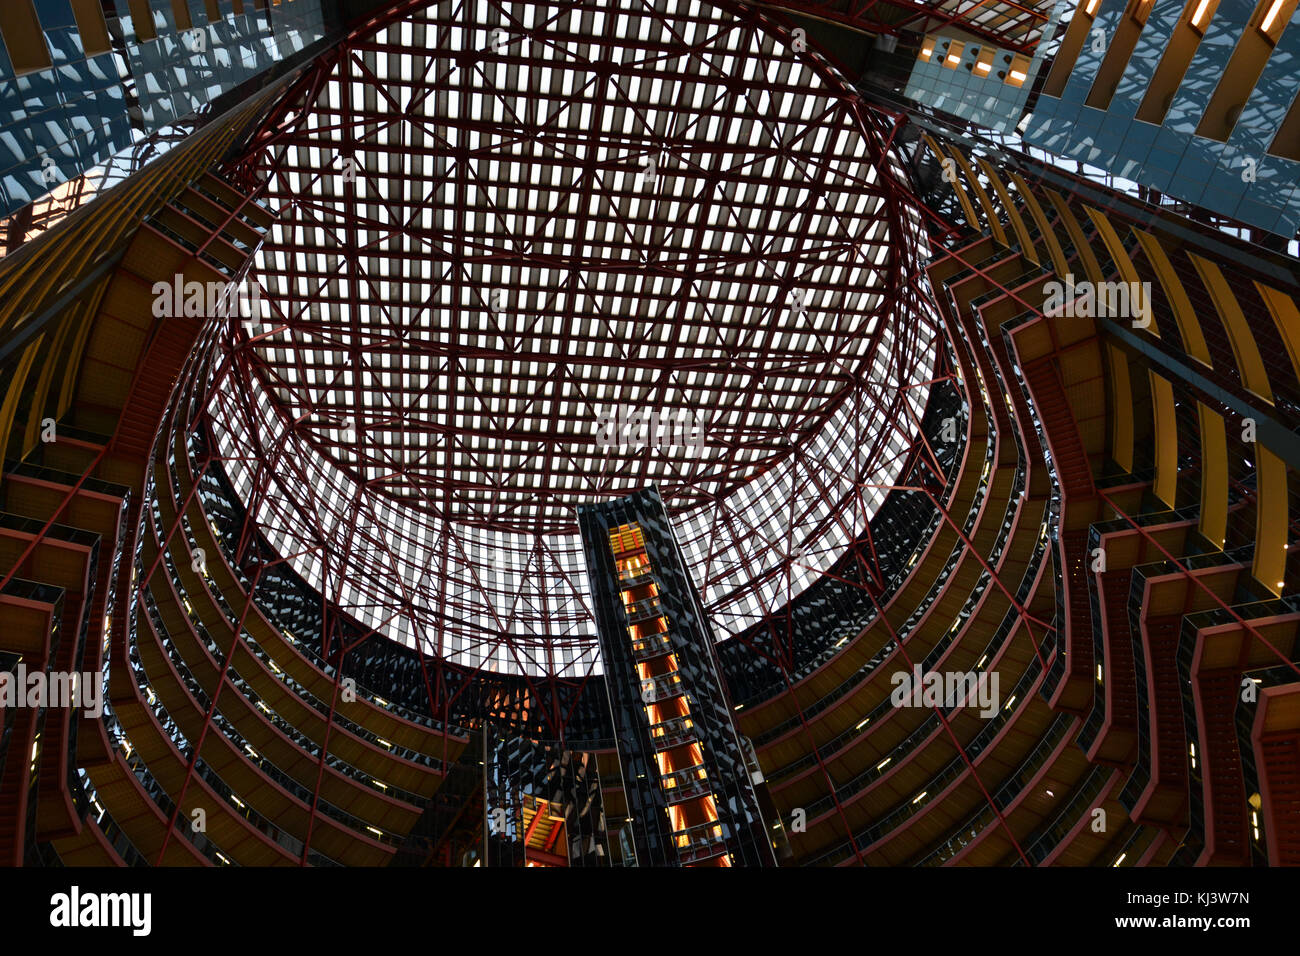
pixel 649 433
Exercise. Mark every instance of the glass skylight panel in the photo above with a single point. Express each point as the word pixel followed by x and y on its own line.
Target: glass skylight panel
pixel 727 246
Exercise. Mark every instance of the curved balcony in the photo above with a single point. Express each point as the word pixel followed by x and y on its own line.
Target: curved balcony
pixel 306 757
pixel 971 492
pixel 272 679
pixel 376 760
pixel 274 798
pixel 201 520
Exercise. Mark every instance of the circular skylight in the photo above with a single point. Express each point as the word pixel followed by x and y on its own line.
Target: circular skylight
pixel 534 254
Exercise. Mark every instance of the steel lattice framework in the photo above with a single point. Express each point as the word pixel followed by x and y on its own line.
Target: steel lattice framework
pixel 1008 24
pixel 499 222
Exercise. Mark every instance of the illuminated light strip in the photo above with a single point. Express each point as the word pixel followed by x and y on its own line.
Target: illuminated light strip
pixel 1269 17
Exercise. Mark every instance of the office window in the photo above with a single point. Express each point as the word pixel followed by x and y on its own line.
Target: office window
pixel 181 11
pixel 1019 70
pixel 91 26
pixel 142 20
pixel 1287 141
pixel 23 38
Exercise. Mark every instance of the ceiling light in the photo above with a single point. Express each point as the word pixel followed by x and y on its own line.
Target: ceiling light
pixel 1269 17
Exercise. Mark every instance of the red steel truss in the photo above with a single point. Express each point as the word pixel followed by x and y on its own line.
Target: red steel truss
pixel 1008 24
pixel 496 224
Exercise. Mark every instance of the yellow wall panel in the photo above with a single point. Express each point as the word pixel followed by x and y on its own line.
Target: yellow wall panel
pixel 1244 348
pixel 990 214
pixel 1121 403
pixel 1189 326
pixel 967 207
pixel 1027 247
pixel 1091 267
pixel 1214 475
pixel 1270 520
pixel 1286 317
pixel 1166 439
pixel 1044 225
pixel 1124 265
pixel 13 393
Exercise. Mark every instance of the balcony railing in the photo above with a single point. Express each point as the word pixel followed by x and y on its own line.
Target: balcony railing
pixel 700 842
pixel 688 784
pixel 320 706
pixel 638 612
pixel 672 733
pixel 635 578
pixel 664 687
pixel 649 646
